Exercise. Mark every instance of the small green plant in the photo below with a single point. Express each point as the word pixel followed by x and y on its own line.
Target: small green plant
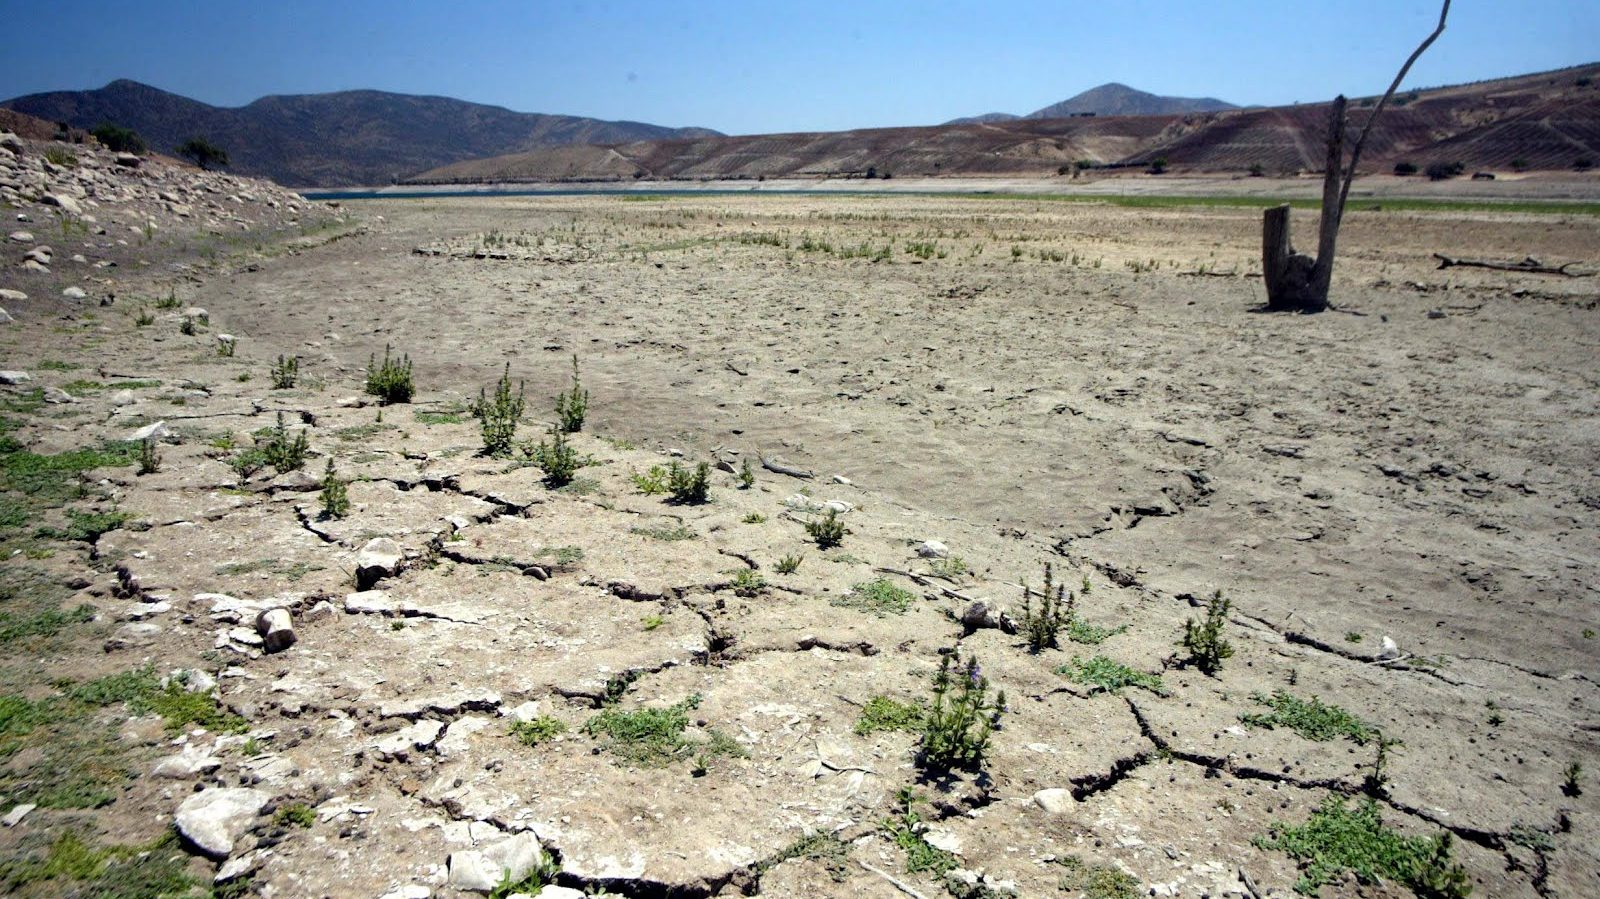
pixel 747 475
pixel 144 318
pixel 1572 780
pixel 390 381
pixel 285 453
pixel 572 405
pixel 531 884
pixel 170 301
pixel 285 372
pixel 1203 641
pixel 1104 674
pixel 1097 881
pixel 557 458
pixel 961 718
pixel 149 457
pixel 652 482
pixel 879 597
pixel 825 848
pixel 538 730
pixel 651 622
pixel 883 713
pixel 1352 637
pixel 665 533
pixel 59 156
pixel 754 518
pixel 1309 718
pixel 949 568
pixel 748 582
pixel 906 830
pixel 1042 624
pixel 187 327
pixel 689 487
pixel 226 348
pixel 828 531
pixel 335 494
pixel 252 747
pixel 789 564
pixel 1337 839
pixel 652 736
pixel 498 417
pixel 295 814
pixel 1377 780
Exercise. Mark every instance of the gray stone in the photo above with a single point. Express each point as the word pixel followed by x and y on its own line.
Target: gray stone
pixel 5 316
pixel 933 549
pixel 413 891
pixel 22 236
pixel 128 160
pixel 321 610
pixel 276 629
pixel 510 859
pixel 458 736
pixel 297 481
pixel 64 202
pixel 57 395
pixel 17 813
pixel 213 820
pixel 157 431
pixel 369 602
pixel 14 296
pixel 121 398
pixel 134 633
pixel 75 293
pixel 190 761
pixel 15 377
pixel 1055 800
pixel 400 744
pixel 378 559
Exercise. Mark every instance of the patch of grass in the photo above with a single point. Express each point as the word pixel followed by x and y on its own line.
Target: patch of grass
pixel 651 622
pixel 295 814
pixel 73 867
pixel 879 597
pixel 668 533
pixel 539 730
pixel 531 884
pixel 753 518
pixel 1337 839
pixel 58 365
pixel 1309 718
pixel 748 582
pixel 655 737
pixel 905 830
pixel 453 415
pixel 85 526
pixel 1097 881
pixel 364 433
pixel 826 848
pixel 39 625
pixel 52 480
pixel 789 564
pixel 1109 676
pixel 883 713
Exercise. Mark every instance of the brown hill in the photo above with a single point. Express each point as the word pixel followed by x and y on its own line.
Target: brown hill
pixel 1549 120
pixel 344 138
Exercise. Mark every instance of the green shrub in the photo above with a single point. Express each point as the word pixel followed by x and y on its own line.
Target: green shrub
pixel 1097 881
pixel 557 458
pixel 149 457
pixel 390 381
pixel 906 831
pixel 118 139
pixel 285 372
pixel 1337 839
pixel 747 475
pixel 652 482
pixel 295 814
pixel 282 452
pixel 1442 171
pixel 572 406
pixel 1203 641
pixel 828 532
pixel 498 417
pixel 789 564
pixel 1404 169
pixel 689 487
pixel 202 153
pixel 748 582
pixel 335 496
pixel 961 718
pixel 1042 624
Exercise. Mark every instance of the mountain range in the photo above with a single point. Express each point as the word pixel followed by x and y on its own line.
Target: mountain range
pixel 345 138
pixel 1107 99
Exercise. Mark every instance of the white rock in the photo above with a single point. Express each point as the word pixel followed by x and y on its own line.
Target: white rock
pixel 841 479
pixel 399 744
pixel 227 608
pixel 321 610
pixel 933 549
pixel 17 813
pixel 526 712
pixel 483 870
pixel 458 736
pixel 837 505
pixel 1389 650
pixel 22 236
pixel 74 293
pixel 15 296
pixel 65 202
pixel 189 761
pixel 379 558
pixel 1056 801
pixel 15 377
pixel 560 892
pixel 412 891
pixel 121 398
pixel 943 839
pixel 213 820
pixel 57 395
pixel 157 431
pixel 276 629
pixel 369 602
pixel 5 317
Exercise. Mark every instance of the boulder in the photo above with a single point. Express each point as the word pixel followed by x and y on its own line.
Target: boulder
pixel 378 559
pixel 276 629
pixel 933 549
pixel 15 377
pixel 57 395
pixel 369 602
pixel 399 744
pixel 13 296
pixel 158 431
pixel 128 160
pixel 213 820
pixel 482 870
pixel 22 236
pixel 1055 800
pixel 190 761
pixel 66 203
pixel 75 293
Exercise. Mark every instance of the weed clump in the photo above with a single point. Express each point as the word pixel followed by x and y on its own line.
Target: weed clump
pixel 828 532
pixel 689 487
pixel 285 453
pixel 906 830
pixel 390 381
pixel 1042 624
pixel 557 458
pixel 1097 881
pixel 883 713
pixel 285 372
pixel 1203 641
pixel 572 405
pixel 652 482
pixel 1309 718
pixel 149 457
pixel 961 719
pixel 1338 839
pixel 879 597
pixel 335 496
pixel 498 417
pixel 538 730
pixel 1107 675
pixel 655 737
pixel 789 564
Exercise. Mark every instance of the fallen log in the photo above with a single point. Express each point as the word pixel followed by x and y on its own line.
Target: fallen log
pixel 778 467
pixel 1528 265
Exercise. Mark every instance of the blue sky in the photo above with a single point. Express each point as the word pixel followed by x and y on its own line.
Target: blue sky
pixel 751 67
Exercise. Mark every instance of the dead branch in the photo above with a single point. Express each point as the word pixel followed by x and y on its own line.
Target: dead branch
pixel 1529 266
pixel 778 467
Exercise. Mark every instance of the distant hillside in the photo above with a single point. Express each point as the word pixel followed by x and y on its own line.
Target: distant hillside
pixel 1120 99
pixel 1108 99
pixel 1550 121
pixel 345 138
